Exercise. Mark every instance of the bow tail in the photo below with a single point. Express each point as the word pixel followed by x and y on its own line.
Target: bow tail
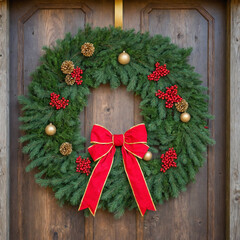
pixel 137 182
pixel 96 182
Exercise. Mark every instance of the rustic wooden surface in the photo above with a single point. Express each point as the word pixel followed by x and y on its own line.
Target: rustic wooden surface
pixel 36 213
pixel 106 107
pixel 198 213
pixel 234 150
pixel 4 121
pixel 201 210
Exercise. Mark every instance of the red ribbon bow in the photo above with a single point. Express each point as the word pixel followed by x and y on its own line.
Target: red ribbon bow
pixel 133 144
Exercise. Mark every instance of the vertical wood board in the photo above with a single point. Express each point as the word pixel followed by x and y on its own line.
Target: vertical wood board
pixel 234 175
pixel 39 25
pixel 4 120
pixel 197 212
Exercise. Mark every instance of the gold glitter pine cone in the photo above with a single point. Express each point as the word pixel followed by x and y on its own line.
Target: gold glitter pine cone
pixel 182 106
pixel 87 49
pixel 67 67
pixel 66 149
pixel 69 80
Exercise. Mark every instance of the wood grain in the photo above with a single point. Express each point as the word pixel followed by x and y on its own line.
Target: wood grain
pixel 228 123
pixel 33 204
pixel 186 27
pixel 191 24
pixel 198 213
pixel 234 176
pixel 106 107
pixel 44 28
pixel 4 121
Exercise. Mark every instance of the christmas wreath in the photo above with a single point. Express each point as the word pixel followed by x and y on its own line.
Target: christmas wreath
pixel 174 107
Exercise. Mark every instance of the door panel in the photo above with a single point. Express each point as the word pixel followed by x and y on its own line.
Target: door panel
pixel 36 212
pixel 198 213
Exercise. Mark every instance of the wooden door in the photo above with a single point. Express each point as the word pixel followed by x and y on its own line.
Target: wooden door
pixel 198 213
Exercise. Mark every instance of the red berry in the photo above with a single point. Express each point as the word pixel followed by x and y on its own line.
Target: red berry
pixel 77 75
pixel 83 165
pixel 168 160
pixel 159 72
pixel 55 102
pixel 170 95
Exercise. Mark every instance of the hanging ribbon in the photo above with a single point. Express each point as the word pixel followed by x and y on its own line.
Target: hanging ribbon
pixel 119 13
pixel 133 144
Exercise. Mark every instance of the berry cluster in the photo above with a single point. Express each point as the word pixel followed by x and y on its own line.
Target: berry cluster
pixel 55 102
pixel 168 160
pixel 159 72
pixel 83 165
pixel 170 95
pixel 76 74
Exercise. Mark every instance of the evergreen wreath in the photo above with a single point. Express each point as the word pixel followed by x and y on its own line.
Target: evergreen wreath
pixel 156 66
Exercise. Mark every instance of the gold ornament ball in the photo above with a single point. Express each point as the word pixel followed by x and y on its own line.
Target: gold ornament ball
pixel 147 156
pixel 50 129
pixel 185 117
pixel 123 58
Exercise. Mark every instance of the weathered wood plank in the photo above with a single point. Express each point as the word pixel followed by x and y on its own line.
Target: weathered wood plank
pixel 36 29
pixel 4 121
pixel 184 26
pixel 106 107
pixel 234 150
pixel 200 211
pixel 44 28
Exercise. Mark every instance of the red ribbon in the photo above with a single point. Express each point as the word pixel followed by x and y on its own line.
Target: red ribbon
pixel 133 144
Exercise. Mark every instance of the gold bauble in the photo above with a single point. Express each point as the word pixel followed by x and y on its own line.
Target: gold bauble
pixel 50 129
pixel 147 156
pixel 123 58
pixel 185 117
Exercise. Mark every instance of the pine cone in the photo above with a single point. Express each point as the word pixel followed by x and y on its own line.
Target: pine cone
pixel 182 106
pixel 69 80
pixel 87 49
pixel 66 149
pixel 67 67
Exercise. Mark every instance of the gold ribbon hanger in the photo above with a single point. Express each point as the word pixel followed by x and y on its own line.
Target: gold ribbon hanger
pixel 119 13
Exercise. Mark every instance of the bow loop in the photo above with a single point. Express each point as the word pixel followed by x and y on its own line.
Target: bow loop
pixel 135 140
pixel 100 135
pixel 137 149
pixel 97 151
pixel 136 134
